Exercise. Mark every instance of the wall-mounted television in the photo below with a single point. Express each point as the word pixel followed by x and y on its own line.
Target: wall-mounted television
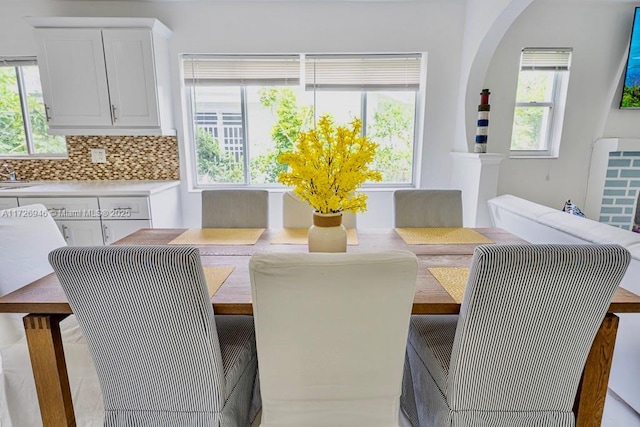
pixel 631 90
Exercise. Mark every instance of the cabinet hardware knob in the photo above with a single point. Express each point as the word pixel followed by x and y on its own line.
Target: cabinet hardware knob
pixel 64 232
pixel 113 113
pixel 46 112
pixel 105 231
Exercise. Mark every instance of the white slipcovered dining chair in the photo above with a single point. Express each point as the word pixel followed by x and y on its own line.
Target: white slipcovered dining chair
pixel 514 356
pixel 162 357
pixel 427 208
pixel 331 336
pixel 27 235
pixel 297 213
pixel 235 208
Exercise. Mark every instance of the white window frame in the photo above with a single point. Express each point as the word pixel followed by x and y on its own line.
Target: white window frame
pixel 17 64
pixel 417 121
pixel 557 60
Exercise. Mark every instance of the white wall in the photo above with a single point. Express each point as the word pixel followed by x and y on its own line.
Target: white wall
pixel 485 25
pixel 433 26
pixel 599 34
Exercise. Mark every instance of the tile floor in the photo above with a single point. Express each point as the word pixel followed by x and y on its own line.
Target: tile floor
pixel 404 422
pixel 619 414
pixel 616 414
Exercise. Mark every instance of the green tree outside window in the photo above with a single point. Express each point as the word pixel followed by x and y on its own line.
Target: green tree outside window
pixel 13 139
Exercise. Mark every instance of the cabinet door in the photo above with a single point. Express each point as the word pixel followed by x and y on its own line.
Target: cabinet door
pixel 81 233
pixel 113 208
pixel 74 81
pixel 8 203
pixel 66 208
pixel 114 230
pixel 131 76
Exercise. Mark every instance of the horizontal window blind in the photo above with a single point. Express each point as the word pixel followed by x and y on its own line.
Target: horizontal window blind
pixel 241 69
pixel 363 72
pixel 17 61
pixel 545 59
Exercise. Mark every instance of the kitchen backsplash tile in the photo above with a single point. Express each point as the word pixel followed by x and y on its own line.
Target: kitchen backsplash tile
pixel 128 158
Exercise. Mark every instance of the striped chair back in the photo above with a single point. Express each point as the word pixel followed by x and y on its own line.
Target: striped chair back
pixel 427 208
pixel 527 321
pixel 146 315
pixel 235 208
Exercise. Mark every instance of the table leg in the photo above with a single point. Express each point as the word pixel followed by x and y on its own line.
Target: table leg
pixel 592 391
pixel 49 369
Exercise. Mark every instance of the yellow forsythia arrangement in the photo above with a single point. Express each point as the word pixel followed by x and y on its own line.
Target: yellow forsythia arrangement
pixel 328 164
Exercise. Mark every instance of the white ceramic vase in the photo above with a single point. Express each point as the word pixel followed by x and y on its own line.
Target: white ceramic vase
pixel 327 234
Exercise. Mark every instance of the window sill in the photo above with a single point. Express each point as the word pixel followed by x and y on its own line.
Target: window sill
pixel 282 189
pixel 532 156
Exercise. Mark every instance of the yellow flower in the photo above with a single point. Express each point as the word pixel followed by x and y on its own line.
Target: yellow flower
pixel 328 164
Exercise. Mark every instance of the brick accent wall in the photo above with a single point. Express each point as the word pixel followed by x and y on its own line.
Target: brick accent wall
pixel 621 189
pixel 128 158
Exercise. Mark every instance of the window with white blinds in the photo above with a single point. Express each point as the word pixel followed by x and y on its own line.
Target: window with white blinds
pixel 540 101
pixel 362 72
pixel 242 70
pixel 544 59
pixel 247 110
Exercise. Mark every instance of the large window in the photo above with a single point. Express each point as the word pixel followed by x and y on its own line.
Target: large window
pixel 540 98
pixel 23 120
pixel 247 110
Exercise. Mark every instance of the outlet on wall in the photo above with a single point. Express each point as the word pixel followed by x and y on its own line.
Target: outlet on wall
pixel 98 155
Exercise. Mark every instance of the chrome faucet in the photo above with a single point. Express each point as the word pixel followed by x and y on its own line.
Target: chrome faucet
pixel 10 175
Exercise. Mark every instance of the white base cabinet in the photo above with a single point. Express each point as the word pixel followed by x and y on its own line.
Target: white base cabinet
pixel 114 230
pixel 66 208
pixel 8 202
pixel 102 220
pixel 124 208
pixel 81 233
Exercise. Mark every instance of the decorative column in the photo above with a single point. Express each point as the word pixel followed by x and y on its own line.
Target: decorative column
pixel 476 174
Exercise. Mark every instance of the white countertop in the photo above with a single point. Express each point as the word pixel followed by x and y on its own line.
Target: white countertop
pixel 86 188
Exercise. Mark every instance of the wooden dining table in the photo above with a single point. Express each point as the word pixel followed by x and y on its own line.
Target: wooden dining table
pixel 47 305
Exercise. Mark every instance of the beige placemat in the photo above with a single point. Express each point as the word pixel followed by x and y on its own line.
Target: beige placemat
pixel 218 236
pixel 452 279
pixel 215 277
pixel 298 236
pixel 441 236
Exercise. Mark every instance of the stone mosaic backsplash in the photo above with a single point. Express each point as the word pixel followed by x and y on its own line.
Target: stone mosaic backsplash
pixel 621 188
pixel 128 158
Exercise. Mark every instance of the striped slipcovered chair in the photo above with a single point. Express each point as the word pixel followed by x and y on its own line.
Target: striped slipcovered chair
pixel 515 354
pixel 427 208
pixel 331 332
pixel 162 357
pixel 235 208
pixel 421 209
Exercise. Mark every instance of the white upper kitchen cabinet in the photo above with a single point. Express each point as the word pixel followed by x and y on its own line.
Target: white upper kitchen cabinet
pixel 131 75
pixel 74 83
pixel 105 76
